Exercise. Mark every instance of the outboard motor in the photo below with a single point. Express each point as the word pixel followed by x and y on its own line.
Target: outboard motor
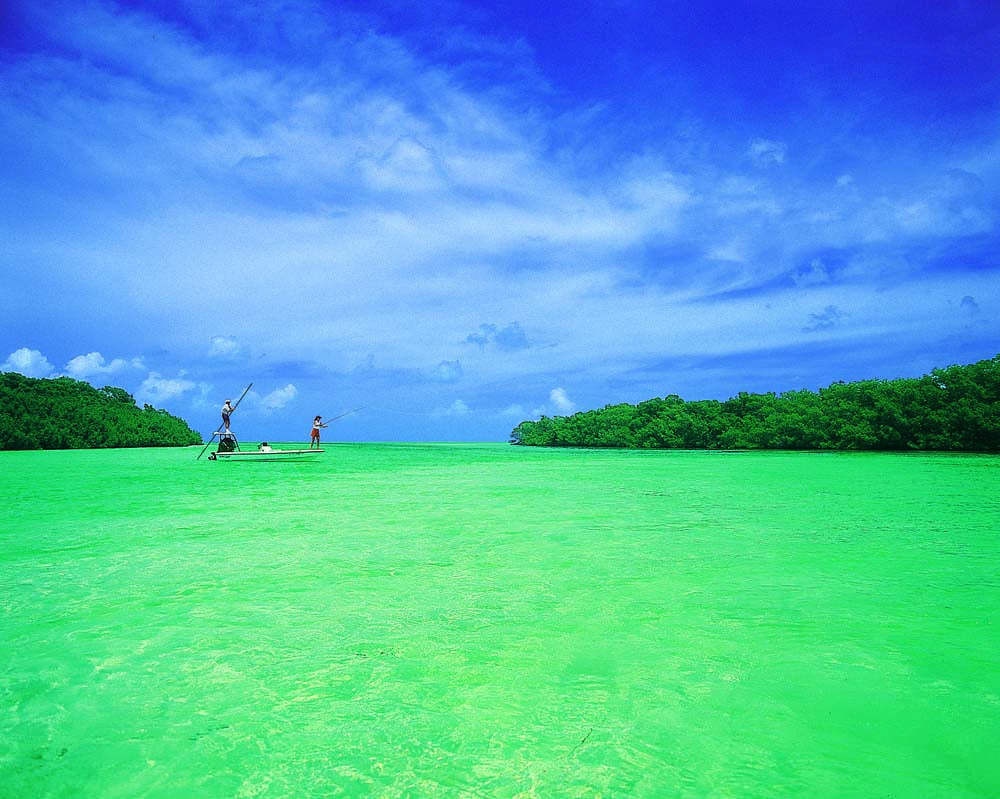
pixel 227 443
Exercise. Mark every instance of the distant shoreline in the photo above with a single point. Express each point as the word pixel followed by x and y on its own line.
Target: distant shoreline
pixel 950 410
pixel 62 413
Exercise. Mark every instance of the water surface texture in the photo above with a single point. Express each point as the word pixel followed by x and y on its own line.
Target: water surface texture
pixel 491 621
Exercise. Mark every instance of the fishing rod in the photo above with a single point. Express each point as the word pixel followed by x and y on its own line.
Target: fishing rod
pixel 345 413
pixel 237 405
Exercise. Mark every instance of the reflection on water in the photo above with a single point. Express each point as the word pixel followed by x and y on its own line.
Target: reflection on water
pixel 483 620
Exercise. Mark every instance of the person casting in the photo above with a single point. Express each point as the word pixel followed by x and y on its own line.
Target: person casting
pixel 314 436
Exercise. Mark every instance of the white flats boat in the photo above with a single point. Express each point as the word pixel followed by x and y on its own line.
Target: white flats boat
pixel 229 450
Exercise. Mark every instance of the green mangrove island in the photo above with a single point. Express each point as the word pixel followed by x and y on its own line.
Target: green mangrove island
pixel 953 409
pixel 62 413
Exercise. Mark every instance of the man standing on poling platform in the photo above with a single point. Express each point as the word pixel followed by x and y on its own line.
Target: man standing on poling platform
pixel 226 410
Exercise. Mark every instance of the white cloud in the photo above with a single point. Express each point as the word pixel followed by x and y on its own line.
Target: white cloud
pixel 224 347
pixel 652 197
pixel 93 364
pixel 407 165
pixel 30 363
pixel 457 408
pixel 156 389
pixel 561 401
pixel 279 398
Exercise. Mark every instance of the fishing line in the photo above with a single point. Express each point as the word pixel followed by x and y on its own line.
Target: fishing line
pixel 409 413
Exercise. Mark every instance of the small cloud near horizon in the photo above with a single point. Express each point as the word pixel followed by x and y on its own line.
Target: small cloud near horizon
pixel 93 364
pixel 279 398
pixel 457 408
pixel 158 389
pixel 561 401
pixel 30 363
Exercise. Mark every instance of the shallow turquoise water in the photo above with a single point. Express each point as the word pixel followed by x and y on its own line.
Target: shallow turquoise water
pixel 491 621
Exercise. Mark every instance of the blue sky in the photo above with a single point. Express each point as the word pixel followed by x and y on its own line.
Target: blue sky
pixel 457 216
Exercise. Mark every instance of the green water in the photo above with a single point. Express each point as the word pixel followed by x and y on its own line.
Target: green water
pixel 491 621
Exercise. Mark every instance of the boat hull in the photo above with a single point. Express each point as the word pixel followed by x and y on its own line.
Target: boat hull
pixel 256 456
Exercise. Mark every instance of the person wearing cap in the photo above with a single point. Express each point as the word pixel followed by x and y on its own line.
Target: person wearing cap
pixel 314 436
pixel 226 410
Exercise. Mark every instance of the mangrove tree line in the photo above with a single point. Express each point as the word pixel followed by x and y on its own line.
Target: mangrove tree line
pixel 63 413
pixel 952 409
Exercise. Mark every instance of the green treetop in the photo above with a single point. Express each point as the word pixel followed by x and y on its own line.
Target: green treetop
pixel 63 413
pixel 952 409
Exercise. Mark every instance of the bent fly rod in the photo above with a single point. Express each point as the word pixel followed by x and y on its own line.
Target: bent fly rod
pixel 237 405
pixel 342 415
